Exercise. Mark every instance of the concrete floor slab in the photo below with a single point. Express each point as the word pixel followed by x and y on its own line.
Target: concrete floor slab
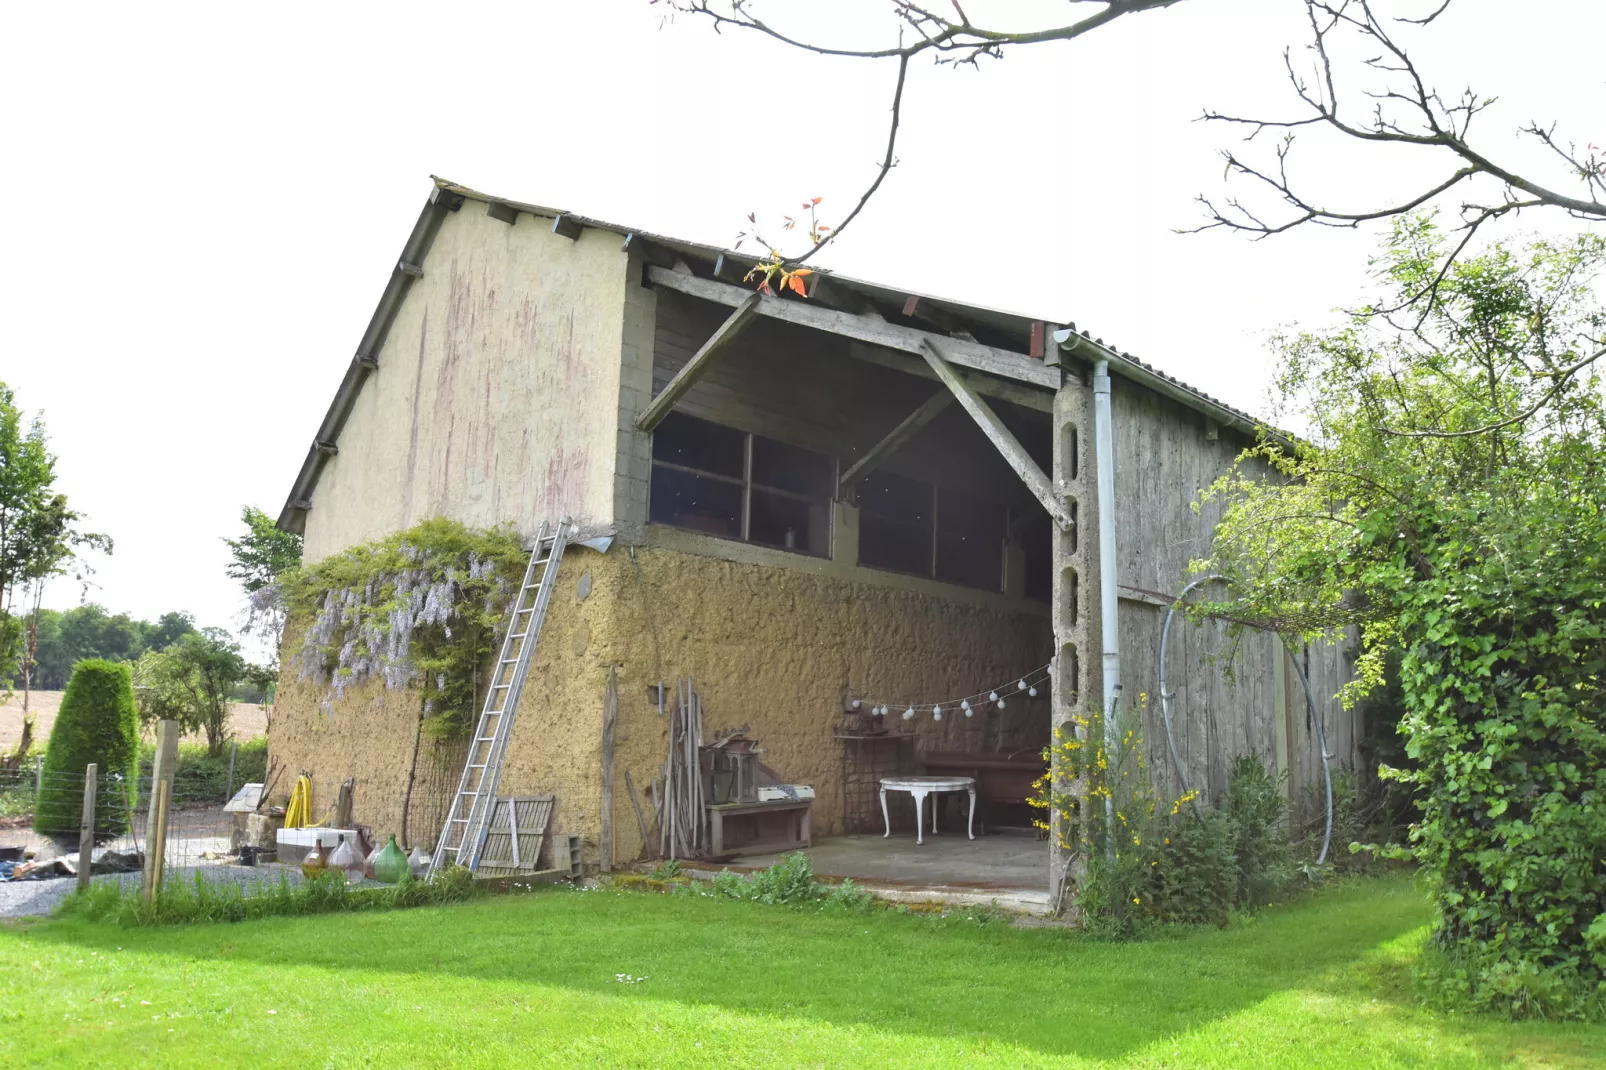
pixel 1008 868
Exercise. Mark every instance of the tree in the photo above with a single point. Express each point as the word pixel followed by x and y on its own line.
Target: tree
pixel 97 723
pixel 190 682
pixel 263 553
pixel 946 40
pixel 66 637
pixel 38 538
pixel 261 556
pixel 1390 102
pixel 1449 501
pixel 1361 84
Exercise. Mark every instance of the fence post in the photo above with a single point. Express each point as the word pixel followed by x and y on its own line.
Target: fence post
pixel 86 825
pixel 38 779
pixel 167 733
pixel 234 747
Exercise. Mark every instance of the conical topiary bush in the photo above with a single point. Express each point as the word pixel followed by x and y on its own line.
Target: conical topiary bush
pixel 98 723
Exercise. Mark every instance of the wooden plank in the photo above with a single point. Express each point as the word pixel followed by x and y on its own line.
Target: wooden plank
pixel 568 226
pixel 163 766
pixel 86 825
pixel 505 213
pixel 610 716
pixel 1000 362
pixel 515 833
pixel 699 363
pixel 1027 397
pixel 907 428
pixel 1001 437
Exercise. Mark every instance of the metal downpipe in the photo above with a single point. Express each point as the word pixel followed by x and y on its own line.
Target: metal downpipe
pixel 1109 607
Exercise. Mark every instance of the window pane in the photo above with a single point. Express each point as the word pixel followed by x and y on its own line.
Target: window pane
pixel 895 524
pixel 697 502
pixel 686 440
pixel 790 523
pixel 775 464
pixel 895 497
pixel 970 540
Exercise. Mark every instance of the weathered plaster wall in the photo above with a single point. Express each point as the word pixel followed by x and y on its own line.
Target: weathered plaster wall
pixel 496 393
pixel 1234 696
pixel 367 735
pixel 771 648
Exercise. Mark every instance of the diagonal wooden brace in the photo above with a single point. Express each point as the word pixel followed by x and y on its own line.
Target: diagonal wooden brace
pixel 1001 437
pixel 699 363
pixel 907 428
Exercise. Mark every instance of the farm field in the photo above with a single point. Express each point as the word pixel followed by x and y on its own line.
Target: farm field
pixel 247 719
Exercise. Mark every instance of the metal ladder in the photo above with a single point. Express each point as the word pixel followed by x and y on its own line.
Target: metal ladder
pixel 464 832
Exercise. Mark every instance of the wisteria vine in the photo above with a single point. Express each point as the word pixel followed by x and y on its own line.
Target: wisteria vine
pixel 418 610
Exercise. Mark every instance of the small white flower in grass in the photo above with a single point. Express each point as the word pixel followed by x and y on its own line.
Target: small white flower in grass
pixel 273 1012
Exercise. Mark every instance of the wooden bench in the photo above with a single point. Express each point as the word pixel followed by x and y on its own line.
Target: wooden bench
pixel 796 818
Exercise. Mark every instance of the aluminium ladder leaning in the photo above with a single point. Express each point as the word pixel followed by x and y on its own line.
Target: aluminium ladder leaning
pixel 464 832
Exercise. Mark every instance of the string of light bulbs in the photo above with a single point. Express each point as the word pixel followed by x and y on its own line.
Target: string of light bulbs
pixel 1027 684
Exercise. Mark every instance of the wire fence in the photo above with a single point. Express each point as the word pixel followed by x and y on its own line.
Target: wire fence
pixel 43 815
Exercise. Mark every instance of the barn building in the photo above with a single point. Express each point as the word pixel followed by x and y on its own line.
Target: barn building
pixel 814 508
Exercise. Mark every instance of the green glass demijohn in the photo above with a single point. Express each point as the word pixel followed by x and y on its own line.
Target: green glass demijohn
pixel 390 865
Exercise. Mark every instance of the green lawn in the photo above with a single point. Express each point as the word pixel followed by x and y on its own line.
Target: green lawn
pixel 533 981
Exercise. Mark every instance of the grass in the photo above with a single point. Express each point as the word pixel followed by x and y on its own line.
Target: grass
pixel 612 978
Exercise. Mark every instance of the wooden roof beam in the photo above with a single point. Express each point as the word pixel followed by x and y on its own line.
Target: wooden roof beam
pixel 1000 436
pixel 973 355
pixel 699 363
pixel 895 439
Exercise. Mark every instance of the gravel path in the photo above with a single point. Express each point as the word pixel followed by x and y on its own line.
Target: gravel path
pixel 20 899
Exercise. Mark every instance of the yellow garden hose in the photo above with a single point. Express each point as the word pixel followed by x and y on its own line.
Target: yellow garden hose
pixel 299 813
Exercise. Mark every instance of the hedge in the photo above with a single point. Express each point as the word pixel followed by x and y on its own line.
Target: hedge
pixel 98 723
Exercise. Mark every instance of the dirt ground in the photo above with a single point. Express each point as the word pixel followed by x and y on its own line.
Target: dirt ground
pixel 248 719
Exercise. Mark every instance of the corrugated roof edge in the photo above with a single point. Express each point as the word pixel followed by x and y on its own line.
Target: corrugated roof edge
pixel 448 196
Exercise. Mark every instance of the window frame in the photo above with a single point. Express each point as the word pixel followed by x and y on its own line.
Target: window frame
pixel 747 486
pixel 934 494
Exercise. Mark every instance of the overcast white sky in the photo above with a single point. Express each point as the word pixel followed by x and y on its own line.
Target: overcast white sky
pixel 205 201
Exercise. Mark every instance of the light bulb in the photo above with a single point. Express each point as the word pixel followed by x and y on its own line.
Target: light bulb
pixel 993 695
pixel 936 713
pixel 969 712
pixel 909 714
pixel 1023 683
pixel 965 705
pixel 1032 692
pixel 856 703
pixel 1002 703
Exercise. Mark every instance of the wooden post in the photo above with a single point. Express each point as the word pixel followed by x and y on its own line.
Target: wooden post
pixel 1073 585
pixel 610 717
pixel 162 767
pixel 38 778
pixel 86 825
pixel 343 803
pixel 234 748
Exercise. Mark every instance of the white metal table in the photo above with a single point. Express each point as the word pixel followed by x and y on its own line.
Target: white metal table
pixel 920 787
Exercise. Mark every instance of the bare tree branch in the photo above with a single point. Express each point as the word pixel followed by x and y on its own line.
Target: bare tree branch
pixel 1405 111
pixel 950 43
